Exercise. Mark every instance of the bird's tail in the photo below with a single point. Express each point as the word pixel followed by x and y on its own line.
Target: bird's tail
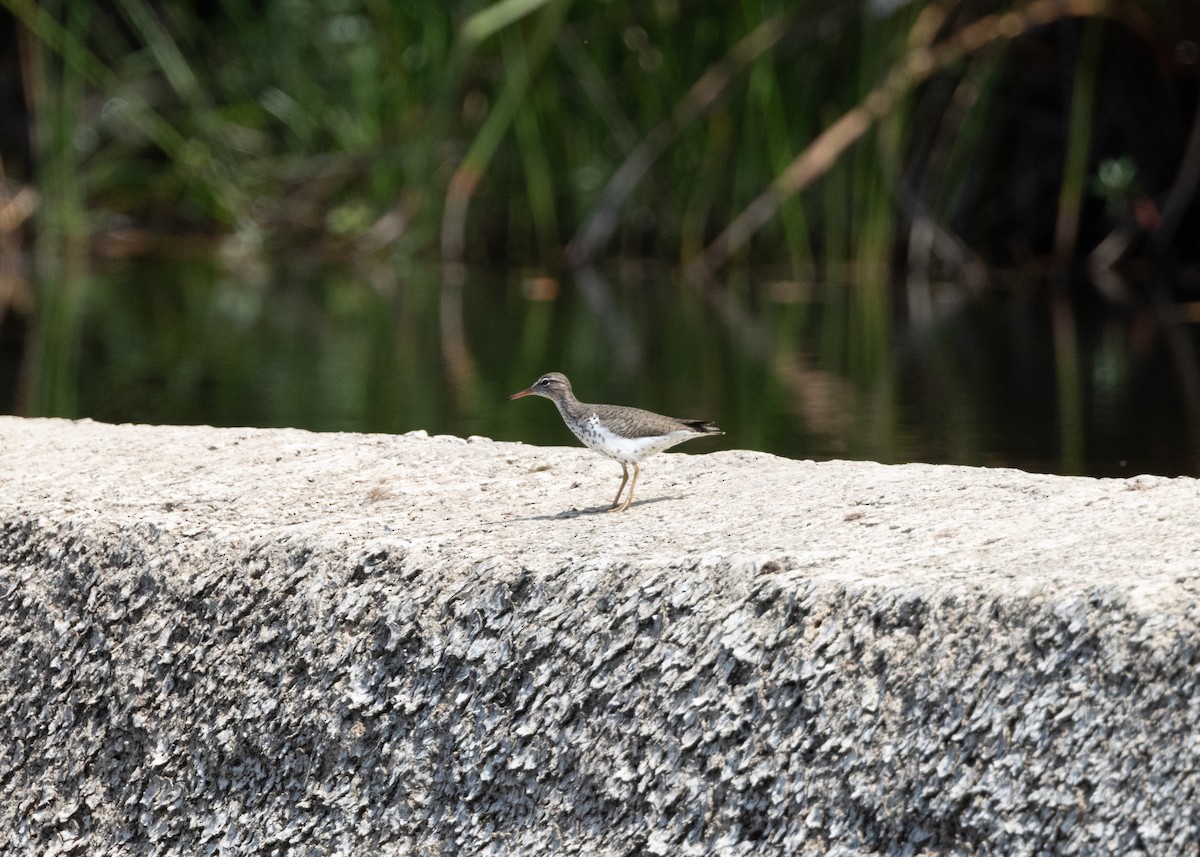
pixel 703 426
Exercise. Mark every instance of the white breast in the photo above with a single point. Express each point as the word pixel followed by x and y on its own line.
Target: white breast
pixel 628 450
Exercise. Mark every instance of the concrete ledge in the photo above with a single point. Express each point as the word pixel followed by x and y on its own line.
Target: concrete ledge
pixel 255 642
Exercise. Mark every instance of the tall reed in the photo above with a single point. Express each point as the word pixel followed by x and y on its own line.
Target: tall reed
pixel 639 130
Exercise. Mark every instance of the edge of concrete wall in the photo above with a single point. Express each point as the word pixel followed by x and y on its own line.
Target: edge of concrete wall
pixel 184 674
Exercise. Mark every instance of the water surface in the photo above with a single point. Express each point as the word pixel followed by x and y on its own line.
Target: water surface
pixel 797 369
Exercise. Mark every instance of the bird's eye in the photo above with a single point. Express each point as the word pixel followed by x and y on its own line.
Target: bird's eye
pixel 543 382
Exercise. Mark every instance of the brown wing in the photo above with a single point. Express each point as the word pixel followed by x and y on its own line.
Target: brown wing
pixel 634 422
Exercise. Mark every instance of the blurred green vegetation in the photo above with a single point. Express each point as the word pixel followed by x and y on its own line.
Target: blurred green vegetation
pixel 361 125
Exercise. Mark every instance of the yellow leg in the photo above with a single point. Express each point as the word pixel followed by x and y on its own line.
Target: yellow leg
pixel 624 479
pixel 629 497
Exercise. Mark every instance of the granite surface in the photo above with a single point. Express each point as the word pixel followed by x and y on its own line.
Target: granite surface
pixel 236 641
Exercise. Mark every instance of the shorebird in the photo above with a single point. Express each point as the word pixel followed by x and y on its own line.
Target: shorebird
pixel 622 433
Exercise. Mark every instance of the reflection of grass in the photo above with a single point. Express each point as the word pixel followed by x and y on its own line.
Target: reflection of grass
pixel 55 347
pixel 184 342
pixel 328 352
pixel 1070 387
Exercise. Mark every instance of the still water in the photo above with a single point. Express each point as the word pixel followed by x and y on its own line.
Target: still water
pixel 1012 378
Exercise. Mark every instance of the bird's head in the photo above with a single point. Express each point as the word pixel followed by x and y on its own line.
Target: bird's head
pixel 552 385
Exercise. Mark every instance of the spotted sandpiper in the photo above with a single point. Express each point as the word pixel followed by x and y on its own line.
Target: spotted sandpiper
pixel 623 434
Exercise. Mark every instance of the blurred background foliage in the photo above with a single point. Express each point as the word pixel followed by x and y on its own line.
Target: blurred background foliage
pixel 837 201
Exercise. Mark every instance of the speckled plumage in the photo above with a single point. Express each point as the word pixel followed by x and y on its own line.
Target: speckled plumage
pixel 622 433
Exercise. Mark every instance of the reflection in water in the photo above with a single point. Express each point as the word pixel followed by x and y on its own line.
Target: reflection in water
pixel 456 350
pixel 624 349
pixel 53 351
pixel 1070 386
pixel 823 401
pixel 794 369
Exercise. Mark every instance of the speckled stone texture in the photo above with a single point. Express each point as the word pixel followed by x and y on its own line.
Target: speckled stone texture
pixel 273 642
